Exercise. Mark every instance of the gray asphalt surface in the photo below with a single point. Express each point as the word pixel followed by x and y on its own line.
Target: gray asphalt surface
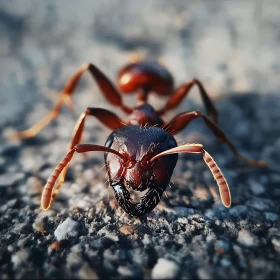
pixel 233 48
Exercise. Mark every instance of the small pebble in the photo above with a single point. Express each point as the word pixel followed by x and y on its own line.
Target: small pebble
pixel 127 229
pixel 68 229
pixel 8 180
pixel 222 247
pixel 58 245
pixel 276 244
pixel 165 269
pixel 125 271
pixel 246 238
pixel 86 272
pixel 256 187
pixel 39 226
pixel 272 217
pixel 20 258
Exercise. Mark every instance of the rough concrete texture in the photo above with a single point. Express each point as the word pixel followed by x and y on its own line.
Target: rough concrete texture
pixel 231 47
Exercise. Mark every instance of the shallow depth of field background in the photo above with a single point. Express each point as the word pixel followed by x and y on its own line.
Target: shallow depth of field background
pixel 233 47
pixel 229 45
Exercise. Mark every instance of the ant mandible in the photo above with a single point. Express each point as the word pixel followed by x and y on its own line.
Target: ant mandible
pixel 141 153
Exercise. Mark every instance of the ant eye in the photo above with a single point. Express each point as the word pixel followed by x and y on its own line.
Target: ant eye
pixel 109 141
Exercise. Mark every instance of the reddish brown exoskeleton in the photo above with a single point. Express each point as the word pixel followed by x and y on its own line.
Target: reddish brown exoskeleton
pixel 140 153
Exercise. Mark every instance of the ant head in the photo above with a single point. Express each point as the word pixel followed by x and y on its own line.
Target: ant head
pixel 138 145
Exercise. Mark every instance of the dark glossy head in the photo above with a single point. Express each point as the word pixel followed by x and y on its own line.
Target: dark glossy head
pixel 139 145
pixel 148 75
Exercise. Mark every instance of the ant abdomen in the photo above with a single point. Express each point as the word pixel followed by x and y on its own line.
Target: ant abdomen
pixel 147 76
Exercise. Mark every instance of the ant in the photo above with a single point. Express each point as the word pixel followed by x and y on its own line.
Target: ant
pixel 141 153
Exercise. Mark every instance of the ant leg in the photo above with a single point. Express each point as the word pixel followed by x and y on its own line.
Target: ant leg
pixel 105 85
pixel 182 120
pixel 215 170
pixel 179 94
pixel 107 117
pixel 47 194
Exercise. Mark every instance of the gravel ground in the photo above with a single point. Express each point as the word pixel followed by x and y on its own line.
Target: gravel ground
pixel 189 234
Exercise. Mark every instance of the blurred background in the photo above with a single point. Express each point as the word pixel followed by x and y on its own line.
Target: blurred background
pixel 232 46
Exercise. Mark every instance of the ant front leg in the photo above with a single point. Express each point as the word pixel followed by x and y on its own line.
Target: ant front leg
pixel 104 84
pixel 183 91
pixel 182 120
pixel 107 117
